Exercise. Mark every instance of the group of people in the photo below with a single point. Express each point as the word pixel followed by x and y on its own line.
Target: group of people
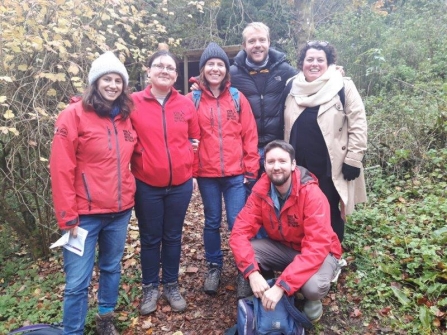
pixel 113 151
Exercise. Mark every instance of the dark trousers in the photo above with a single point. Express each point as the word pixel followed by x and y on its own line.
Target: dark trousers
pixel 328 188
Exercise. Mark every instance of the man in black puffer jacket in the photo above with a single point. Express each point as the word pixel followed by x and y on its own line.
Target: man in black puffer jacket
pixel 261 73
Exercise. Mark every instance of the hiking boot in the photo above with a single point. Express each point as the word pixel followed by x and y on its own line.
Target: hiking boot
pixel 314 310
pixel 104 324
pixel 172 294
pixel 243 287
pixel 149 301
pixel 212 279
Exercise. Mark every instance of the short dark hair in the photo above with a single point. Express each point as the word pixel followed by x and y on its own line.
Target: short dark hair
pixel 282 145
pixel 329 50
pixel 161 53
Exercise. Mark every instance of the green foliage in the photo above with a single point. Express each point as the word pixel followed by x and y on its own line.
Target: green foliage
pixel 398 65
pixel 47 47
pixel 398 240
pixel 30 297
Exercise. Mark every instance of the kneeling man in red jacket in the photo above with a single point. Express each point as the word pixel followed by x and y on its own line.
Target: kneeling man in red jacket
pixel 295 213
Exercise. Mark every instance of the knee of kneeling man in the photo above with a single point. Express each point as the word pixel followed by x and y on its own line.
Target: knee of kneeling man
pixel 316 288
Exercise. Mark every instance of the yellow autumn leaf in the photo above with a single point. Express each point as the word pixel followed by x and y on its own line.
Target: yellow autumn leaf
pixel 7 79
pixel 73 69
pixel 8 114
pixel 4 130
pixel 43 159
pixel 51 92
pixel 61 105
pixel 41 111
pixel 14 131
pixel 2 98
pixel 120 46
pixel 22 67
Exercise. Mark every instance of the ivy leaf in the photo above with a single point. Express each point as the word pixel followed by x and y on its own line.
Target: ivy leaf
pixel 401 296
pixel 424 317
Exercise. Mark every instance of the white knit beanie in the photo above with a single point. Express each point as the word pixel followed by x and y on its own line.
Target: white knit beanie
pixel 107 63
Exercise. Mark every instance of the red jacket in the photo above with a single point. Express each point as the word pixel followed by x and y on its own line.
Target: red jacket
pixel 304 224
pixel 164 154
pixel 229 139
pixel 89 165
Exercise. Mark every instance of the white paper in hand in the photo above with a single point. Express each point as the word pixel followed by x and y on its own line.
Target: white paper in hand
pixel 71 243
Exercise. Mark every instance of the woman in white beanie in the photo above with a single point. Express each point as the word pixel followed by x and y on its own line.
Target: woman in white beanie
pixel 93 189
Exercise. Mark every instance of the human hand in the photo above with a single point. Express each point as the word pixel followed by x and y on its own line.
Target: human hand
pixel 195 185
pixel 258 284
pixel 271 297
pixel 194 87
pixel 74 231
pixel 195 144
pixel 350 172
pixel 249 180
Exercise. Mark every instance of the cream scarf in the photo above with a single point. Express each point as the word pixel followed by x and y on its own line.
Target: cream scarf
pixel 319 91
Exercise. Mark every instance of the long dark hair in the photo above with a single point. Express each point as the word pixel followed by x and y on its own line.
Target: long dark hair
pixel 93 101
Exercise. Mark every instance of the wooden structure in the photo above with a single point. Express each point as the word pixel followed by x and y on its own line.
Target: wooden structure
pixel 190 65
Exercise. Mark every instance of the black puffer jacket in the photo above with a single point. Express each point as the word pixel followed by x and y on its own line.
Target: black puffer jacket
pixel 267 106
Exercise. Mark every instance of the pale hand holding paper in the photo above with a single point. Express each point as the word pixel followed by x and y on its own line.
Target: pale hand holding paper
pixel 71 243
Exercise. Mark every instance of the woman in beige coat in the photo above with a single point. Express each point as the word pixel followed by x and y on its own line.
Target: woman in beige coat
pixel 325 122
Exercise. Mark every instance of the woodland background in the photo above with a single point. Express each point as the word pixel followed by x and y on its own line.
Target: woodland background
pixel 396 53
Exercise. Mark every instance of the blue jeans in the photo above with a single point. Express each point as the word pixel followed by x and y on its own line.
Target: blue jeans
pixel 211 190
pixel 109 231
pixel 160 212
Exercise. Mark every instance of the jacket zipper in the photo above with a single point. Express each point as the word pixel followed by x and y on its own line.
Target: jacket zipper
pixel 165 133
pixel 118 164
pixel 219 122
pixel 87 191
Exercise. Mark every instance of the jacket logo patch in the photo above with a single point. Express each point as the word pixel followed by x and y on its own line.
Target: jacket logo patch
pixel 61 131
pixel 179 116
pixel 128 136
pixel 278 78
pixel 291 221
pixel 231 115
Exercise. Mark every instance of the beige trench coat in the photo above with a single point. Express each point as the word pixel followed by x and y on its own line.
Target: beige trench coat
pixel 345 134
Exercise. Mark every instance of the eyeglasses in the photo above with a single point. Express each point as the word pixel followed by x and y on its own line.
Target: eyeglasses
pixel 317 43
pixel 160 67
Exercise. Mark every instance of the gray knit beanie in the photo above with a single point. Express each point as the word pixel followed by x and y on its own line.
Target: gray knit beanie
pixel 107 63
pixel 214 51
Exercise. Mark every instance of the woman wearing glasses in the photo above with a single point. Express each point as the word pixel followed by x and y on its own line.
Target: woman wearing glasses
pixel 166 123
pixel 325 122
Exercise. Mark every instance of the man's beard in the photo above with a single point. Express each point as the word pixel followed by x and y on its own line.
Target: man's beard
pixel 280 181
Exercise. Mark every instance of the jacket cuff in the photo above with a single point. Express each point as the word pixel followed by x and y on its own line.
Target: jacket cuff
pixel 69 224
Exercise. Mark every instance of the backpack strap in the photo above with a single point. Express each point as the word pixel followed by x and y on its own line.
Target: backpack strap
pixel 296 314
pixel 236 99
pixel 196 95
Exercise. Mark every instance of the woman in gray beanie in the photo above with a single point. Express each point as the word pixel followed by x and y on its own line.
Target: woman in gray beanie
pixel 93 189
pixel 228 153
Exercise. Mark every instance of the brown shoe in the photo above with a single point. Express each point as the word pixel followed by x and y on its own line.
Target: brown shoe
pixel 104 324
